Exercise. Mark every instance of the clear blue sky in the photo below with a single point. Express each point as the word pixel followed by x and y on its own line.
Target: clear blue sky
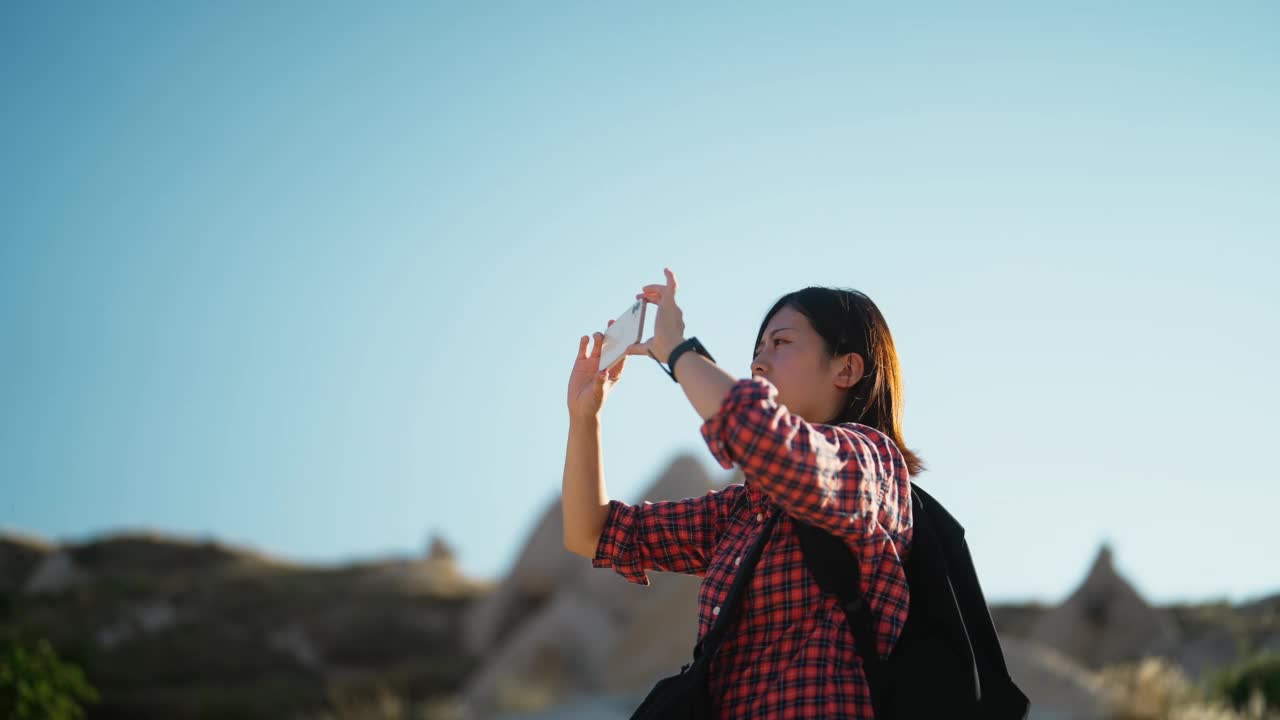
pixel 311 277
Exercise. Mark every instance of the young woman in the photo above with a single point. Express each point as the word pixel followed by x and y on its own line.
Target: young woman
pixel 817 432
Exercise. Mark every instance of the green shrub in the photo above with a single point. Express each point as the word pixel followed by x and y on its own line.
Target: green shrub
pixel 36 685
pixel 1260 674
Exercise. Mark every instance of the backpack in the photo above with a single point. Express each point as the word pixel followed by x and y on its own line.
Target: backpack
pixel 947 661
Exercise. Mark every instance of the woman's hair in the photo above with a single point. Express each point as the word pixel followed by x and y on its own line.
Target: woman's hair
pixel 849 322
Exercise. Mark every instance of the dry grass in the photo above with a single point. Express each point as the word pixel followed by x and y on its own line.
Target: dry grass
pixel 1156 689
pixel 384 703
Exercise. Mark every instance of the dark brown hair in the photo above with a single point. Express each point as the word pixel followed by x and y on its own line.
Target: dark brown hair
pixel 849 322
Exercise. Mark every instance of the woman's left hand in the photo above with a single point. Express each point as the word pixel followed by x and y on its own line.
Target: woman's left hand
pixel 668 327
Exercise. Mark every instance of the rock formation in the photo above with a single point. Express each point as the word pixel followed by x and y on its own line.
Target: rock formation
pixel 1105 621
pixel 20 554
pixel 56 572
pixel 440 551
pixel 1058 686
pixel 556 623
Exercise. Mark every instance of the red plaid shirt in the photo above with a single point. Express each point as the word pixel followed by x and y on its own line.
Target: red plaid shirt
pixel 791 654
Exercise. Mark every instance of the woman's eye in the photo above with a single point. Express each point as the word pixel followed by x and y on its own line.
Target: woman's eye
pixel 775 344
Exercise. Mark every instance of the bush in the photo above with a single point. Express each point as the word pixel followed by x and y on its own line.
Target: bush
pixel 36 685
pixel 1258 675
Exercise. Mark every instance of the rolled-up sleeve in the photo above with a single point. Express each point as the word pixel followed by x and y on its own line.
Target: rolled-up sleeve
pixel 667 536
pixel 848 479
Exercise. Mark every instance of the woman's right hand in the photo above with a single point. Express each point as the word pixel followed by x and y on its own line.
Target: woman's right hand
pixel 589 386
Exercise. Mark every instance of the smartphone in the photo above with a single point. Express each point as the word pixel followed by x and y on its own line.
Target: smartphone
pixel 625 331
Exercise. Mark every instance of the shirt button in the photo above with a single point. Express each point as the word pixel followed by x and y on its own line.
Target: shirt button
pixel 759 517
pixel 715 610
pixel 738 561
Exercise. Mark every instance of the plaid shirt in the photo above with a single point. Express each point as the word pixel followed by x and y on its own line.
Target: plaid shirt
pixel 791 654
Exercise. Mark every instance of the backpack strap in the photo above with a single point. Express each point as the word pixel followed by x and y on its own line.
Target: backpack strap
pixel 829 560
pixel 710 643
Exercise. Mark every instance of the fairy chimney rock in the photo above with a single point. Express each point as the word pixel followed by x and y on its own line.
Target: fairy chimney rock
pixel 1106 620
pixel 554 613
pixel 440 551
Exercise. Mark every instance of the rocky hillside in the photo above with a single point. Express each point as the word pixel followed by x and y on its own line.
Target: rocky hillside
pixel 170 628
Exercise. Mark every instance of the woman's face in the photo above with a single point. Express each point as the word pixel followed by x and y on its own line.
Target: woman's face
pixel 792 357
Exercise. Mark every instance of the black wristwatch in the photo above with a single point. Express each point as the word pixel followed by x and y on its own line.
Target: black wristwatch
pixel 689 344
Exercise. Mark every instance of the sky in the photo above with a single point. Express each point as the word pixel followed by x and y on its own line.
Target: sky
pixel 310 277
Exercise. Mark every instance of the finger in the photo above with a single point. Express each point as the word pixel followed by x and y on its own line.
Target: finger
pixel 602 373
pixel 595 350
pixel 613 372
pixel 641 348
pixel 671 280
pixel 652 293
pixel 582 346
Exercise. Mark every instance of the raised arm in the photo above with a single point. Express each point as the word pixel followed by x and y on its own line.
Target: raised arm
pixel 584 500
pixel 842 478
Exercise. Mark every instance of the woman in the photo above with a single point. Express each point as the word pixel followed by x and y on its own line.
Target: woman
pixel 817 433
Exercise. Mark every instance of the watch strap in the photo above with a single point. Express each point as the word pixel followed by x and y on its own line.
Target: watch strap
pixel 689 344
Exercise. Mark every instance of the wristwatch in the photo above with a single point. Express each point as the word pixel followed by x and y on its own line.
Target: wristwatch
pixel 689 344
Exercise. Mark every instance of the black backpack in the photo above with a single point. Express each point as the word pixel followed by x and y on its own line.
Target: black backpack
pixel 947 661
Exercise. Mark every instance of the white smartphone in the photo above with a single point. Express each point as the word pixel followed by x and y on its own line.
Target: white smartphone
pixel 625 330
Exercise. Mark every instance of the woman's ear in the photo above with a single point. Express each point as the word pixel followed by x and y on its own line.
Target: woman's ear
pixel 851 368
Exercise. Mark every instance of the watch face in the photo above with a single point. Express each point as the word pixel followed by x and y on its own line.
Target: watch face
pixel 701 350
